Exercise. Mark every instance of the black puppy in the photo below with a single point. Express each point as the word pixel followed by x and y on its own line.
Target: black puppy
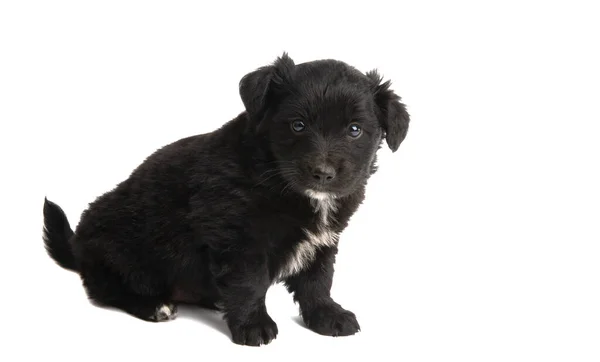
pixel 215 219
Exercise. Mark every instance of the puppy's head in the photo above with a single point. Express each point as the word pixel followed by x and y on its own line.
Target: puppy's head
pixel 324 121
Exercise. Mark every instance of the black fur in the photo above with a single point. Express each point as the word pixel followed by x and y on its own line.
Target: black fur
pixel 214 219
pixel 57 233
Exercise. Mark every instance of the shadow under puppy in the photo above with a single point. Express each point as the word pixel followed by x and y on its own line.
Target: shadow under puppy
pixel 215 219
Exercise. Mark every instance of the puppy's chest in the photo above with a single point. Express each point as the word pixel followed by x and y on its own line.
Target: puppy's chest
pixel 320 234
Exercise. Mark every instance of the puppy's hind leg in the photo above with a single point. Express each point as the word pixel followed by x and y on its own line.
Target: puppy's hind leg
pixel 146 303
pixel 148 309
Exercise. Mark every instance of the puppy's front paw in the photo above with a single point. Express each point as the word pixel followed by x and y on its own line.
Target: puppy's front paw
pixel 332 320
pixel 260 330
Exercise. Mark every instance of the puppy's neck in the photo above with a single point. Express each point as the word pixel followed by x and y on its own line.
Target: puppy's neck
pixel 324 204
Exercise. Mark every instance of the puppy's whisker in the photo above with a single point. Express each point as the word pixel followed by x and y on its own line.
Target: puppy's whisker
pixel 283 172
pixel 290 186
pixel 261 180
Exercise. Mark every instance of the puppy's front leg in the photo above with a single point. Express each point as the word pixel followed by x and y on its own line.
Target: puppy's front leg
pixel 311 288
pixel 243 285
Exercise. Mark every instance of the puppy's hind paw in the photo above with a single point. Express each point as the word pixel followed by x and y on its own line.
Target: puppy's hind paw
pixel 164 313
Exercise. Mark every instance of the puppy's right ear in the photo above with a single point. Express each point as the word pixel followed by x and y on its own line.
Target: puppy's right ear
pixel 260 88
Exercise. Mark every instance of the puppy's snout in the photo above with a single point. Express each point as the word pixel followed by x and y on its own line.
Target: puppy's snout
pixel 323 173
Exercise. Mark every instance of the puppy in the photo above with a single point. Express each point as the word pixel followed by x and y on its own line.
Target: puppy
pixel 215 219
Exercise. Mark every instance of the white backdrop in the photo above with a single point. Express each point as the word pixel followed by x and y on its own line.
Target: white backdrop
pixel 482 230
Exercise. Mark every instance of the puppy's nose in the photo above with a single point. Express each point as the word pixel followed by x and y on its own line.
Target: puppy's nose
pixel 324 173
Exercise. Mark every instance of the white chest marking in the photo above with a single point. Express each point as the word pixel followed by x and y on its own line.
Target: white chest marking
pixel 305 251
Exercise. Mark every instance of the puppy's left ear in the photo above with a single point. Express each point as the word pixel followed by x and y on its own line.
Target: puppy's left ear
pixel 392 114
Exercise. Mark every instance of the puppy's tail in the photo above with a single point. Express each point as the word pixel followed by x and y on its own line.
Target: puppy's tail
pixel 56 235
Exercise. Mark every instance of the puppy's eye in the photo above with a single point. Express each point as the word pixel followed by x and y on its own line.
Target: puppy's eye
pixel 298 126
pixel 354 130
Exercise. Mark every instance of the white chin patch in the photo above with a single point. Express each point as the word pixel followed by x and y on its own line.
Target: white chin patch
pixel 318 195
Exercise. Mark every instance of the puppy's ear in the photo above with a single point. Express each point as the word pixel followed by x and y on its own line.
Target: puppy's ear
pixel 393 117
pixel 261 87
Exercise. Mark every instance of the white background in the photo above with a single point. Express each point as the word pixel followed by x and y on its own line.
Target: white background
pixel 478 241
